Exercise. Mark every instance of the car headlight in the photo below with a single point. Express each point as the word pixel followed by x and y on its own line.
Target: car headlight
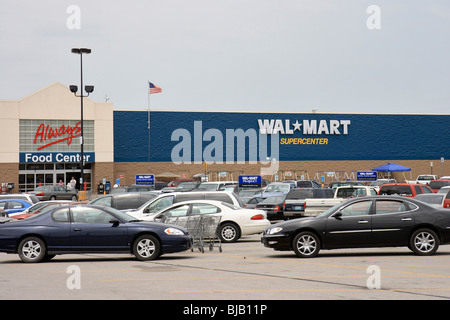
pixel 173 232
pixel 274 230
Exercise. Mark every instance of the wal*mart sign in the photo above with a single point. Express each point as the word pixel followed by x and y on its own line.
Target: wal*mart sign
pixel 55 157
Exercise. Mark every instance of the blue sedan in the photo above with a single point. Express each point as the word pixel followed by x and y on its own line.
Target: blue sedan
pixel 14 205
pixel 89 229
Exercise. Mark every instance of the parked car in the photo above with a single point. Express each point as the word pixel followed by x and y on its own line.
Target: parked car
pixel 250 203
pixel 354 191
pixel 133 188
pixel 187 186
pixel 304 183
pixel 294 204
pixel 234 223
pixel 335 184
pixel 273 206
pixel 278 188
pixel 55 192
pixel 20 196
pixel 97 230
pixel 446 192
pixel 404 189
pixel 11 206
pixel 124 201
pixel 214 185
pixel 165 200
pixel 375 221
pixel 433 199
pixel 377 184
pixel 176 182
pixel 435 185
pixel 47 205
pixel 247 194
pixel 426 178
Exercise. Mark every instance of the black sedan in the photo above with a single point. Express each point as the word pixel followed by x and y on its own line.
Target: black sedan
pixel 377 221
pixel 89 229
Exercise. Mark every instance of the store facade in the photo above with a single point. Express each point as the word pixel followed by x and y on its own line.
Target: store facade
pixel 43 141
pixel 40 143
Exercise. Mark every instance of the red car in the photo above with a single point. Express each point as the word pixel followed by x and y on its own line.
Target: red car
pixel 404 189
pixel 49 206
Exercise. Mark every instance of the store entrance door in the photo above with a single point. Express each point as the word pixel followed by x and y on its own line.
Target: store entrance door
pixel 32 176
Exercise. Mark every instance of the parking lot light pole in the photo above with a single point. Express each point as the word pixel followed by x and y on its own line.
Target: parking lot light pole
pixel 88 89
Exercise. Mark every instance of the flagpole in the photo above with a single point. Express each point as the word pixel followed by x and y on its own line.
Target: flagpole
pixel 148 122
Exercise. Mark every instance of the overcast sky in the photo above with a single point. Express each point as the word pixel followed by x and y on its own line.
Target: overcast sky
pixel 235 55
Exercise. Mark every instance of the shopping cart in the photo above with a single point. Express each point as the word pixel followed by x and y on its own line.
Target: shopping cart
pixel 208 232
pixel 202 229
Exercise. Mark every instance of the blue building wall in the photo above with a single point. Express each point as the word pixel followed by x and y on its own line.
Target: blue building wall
pixel 369 136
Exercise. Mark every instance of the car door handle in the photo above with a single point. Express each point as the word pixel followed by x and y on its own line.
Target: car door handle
pixel 77 230
pixel 363 221
pixel 406 219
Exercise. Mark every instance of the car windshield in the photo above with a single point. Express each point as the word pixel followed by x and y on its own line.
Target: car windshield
pixel 425 178
pixel 277 188
pixel 437 184
pixel 388 190
pixel 328 212
pixel 207 186
pixel 276 199
pixel 43 188
pixel 248 193
pixel 300 194
pixel 231 206
pixel 430 198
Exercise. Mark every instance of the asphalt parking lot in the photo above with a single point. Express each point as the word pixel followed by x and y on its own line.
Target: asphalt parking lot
pixel 245 270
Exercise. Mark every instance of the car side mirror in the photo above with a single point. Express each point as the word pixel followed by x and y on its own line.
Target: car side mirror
pixel 114 222
pixel 338 215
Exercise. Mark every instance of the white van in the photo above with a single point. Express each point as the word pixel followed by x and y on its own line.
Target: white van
pixel 167 199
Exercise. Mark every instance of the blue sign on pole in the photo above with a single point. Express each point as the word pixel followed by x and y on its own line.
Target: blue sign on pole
pixel 250 181
pixel 366 176
pixel 145 179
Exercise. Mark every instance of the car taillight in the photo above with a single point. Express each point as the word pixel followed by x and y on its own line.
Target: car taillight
pixel 284 205
pixel 257 217
pixel 277 208
pixel 40 194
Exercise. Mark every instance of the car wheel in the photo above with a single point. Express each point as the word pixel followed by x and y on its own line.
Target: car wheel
pixel 229 232
pixel 74 198
pixel 53 198
pixel 146 247
pixel 32 249
pixel 424 242
pixel 306 245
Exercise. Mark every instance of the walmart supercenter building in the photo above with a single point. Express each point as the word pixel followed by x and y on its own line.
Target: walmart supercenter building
pixel 40 143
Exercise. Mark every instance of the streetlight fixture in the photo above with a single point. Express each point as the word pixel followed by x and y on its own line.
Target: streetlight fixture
pixel 88 89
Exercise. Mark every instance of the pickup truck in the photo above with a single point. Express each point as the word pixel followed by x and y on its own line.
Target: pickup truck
pixel 313 207
pixel 295 200
pixel 424 179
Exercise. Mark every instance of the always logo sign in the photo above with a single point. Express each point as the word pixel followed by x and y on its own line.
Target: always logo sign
pixel 63 133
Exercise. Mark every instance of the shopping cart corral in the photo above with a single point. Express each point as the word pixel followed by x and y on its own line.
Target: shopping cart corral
pixel 202 228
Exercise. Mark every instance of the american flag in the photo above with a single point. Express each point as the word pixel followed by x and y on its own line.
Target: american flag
pixel 154 88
